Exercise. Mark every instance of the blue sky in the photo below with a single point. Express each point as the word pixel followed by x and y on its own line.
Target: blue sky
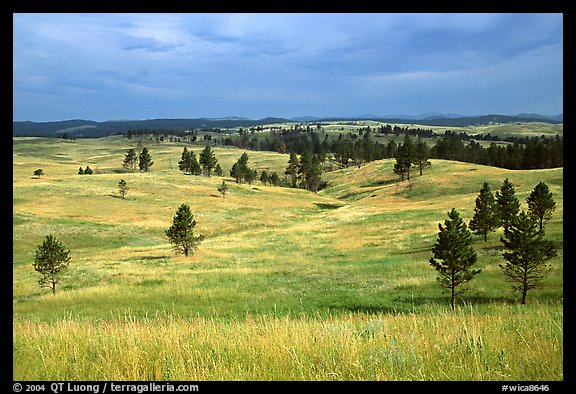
pixel 145 66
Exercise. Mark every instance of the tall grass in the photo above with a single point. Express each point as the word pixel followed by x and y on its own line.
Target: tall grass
pixel 495 342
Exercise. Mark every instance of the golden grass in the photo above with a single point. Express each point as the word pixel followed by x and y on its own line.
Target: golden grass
pixel 439 345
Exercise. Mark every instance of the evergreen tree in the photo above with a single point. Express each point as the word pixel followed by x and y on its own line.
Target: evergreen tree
pixel 208 160
pixel 250 175
pixel 131 159
pixel 404 158
pixel 185 163
pixel 218 170
pixel 181 233
pixel 194 165
pixel 485 217
pixel 88 171
pixel 527 254
pixel 275 179
pixel 38 172
pixel 145 160
pixel 243 160
pixel 453 248
pixel 80 171
pixel 343 153
pixel 310 171
pixel 264 178
pixel 241 172
pixel 508 204
pixel 292 169
pixel 122 187
pixel 541 203
pixel 223 188
pixel 50 259
pixel 421 155
pixel 391 149
pixel 235 172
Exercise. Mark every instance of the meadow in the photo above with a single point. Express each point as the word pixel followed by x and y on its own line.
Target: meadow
pixel 287 285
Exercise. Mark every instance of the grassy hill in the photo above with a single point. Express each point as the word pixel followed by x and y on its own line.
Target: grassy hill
pixel 321 271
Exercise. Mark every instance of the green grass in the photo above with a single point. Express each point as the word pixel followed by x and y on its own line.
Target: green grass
pixel 292 260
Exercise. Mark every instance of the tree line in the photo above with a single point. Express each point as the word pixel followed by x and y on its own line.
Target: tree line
pixel 521 153
pixel 359 147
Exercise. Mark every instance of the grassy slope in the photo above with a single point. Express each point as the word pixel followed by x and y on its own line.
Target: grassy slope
pixel 362 245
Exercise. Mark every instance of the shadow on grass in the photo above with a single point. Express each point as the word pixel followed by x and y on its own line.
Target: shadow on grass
pixel 380 183
pixel 417 250
pixel 328 206
pixel 423 304
pixel 158 257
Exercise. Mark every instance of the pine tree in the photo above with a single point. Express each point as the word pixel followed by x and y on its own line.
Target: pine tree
pixel 541 203
pixel 421 155
pixel 123 188
pixel 185 163
pixel 218 170
pixel 508 204
pixel 38 172
pixel 235 172
pixel 525 266
pixel 208 160
pixel 88 171
pixel 240 170
pixel 145 160
pixel 250 175
pixel 485 217
pixel 223 188
pixel 181 233
pixel 50 259
pixel 343 153
pixel 453 247
pixel 292 169
pixel 310 171
pixel 275 179
pixel 80 171
pixel 194 165
pixel 131 159
pixel 264 178
pixel 404 158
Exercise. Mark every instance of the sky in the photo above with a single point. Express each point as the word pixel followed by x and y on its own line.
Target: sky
pixel 147 66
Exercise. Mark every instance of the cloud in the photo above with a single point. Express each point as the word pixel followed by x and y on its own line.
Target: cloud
pixel 148 45
pixel 285 62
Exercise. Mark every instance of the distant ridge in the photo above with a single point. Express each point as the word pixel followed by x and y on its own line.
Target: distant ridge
pixel 89 128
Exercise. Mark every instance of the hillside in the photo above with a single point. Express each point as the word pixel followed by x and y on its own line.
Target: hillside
pixel 298 250
pixel 88 128
pixel 287 275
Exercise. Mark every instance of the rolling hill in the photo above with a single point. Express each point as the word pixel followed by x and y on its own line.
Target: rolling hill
pixel 286 269
pixel 88 128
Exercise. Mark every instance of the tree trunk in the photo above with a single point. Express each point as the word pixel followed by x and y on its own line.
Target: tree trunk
pixel 524 291
pixel 485 237
pixel 524 288
pixel 453 297
pixel 53 288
